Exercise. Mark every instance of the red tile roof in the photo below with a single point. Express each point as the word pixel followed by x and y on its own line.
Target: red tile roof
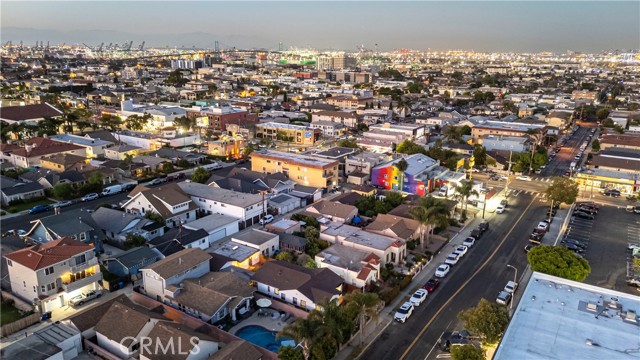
pixel 43 255
pixel 28 112
pixel 44 146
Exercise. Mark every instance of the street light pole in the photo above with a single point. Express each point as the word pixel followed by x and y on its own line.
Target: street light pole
pixel 515 277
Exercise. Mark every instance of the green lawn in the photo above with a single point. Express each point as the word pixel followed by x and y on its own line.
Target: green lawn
pixel 8 313
pixel 28 205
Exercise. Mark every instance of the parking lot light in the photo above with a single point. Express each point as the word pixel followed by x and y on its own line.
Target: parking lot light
pixel 515 277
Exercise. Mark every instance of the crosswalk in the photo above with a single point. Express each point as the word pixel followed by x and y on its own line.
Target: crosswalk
pixel 515 193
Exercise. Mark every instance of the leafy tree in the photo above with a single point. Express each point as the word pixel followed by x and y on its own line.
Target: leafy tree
pixel 95 178
pixel 167 167
pixel 480 155
pixel 110 122
pixel 290 353
pixel 595 145
pixel 306 261
pixel 367 304
pixel 602 114
pixel 393 198
pixel 63 191
pixel 348 143
pixel 363 127
pixel 137 122
pixel 200 175
pixel 562 190
pixel 410 148
pixel 558 261
pixel 134 240
pixel 486 320
pixel 430 213
pixel 185 123
pixel 402 166
pixel 154 216
pixel 414 87
pixel 467 352
pixel 452 133
pixel 176 78
pixel 285 256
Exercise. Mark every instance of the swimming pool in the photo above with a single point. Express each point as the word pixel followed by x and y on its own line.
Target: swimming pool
pixel 262 337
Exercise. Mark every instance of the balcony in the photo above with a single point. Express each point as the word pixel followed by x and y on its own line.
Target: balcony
pixel 84 266
pixel 80 283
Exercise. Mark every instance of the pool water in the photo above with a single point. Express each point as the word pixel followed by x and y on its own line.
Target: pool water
pixel 262 337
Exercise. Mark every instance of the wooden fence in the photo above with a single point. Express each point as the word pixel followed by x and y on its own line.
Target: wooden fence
pixel 14 327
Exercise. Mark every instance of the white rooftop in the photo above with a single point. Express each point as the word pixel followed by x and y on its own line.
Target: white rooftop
pixel 356 235
pixel 562 319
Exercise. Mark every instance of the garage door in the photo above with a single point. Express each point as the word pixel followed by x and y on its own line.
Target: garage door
pixel 217 235
pixel 53 304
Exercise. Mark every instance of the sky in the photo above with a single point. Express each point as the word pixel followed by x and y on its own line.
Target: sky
pixel 504 26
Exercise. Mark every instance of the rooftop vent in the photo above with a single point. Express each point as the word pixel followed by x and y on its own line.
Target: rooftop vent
pixel 592 307
pixel 631 316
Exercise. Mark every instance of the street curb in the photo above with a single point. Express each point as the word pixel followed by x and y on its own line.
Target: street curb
pixel 364 349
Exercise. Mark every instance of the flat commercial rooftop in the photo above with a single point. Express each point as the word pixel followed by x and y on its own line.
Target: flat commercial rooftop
pixel 563 319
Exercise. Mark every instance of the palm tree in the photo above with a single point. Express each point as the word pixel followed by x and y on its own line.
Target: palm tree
pixel 430 213
pixel 402 166
pixel 452 133
pixel 464 190
pixel 367 304
pixel 335 324
pixel 304 332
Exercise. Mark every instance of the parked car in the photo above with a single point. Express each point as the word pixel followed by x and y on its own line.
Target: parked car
pixel 579 243
pixel 612 193
pixel 500 209
pixel 590 209
pixel 543 225
pixel 452 259
pixel 583 215
pixel 461 250
pixel 524 178
pixel 483 226
pixel 503 298
pixel 469 242
pixel 511 287
pixel 39 209
pixel 442 270
pixel 84 298
pixel 431 285
pixel 476 233
pixel 89 197
pixel 404 312
pixel 536 236
pixel 586 210
pixel 574 248
pixel 61 204
pixel 504 203
pixel 156 181
pixel 418 297
pixel 266 219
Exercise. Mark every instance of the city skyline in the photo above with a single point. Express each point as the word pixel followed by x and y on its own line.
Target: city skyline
pixel 479 26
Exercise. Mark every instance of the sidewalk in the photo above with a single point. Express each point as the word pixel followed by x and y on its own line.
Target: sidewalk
pixel 385 318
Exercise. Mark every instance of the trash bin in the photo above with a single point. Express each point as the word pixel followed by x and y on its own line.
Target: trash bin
pixel 46 315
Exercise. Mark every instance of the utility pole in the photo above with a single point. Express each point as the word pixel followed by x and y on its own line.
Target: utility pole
pixel 506 188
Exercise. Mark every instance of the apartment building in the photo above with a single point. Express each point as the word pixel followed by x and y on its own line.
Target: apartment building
pixel 502 128
pixel 54 272
pixel 302 169
pixel 293 134
pixel 346 118
pixel 95 147
pixel 217 117
pixel 349 102
pixel 329 128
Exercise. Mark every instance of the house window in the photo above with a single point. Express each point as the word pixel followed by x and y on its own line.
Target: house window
pixel 303 304
pixel 276 291
pixel 83 236
pixel 35 289
pixel 49 270
pixel 283 297
pixel 9 262
pixel 42 288
pixel 295 301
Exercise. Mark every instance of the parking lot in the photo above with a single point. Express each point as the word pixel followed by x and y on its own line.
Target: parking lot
pixel 606 239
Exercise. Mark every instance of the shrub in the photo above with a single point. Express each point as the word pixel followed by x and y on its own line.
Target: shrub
pixel 389 295
pixel 405 282
pixel 411 244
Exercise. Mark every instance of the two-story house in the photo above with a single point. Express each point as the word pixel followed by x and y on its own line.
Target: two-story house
pixel 52 273
pixel 333 210
pixel 302 287
pixel 164 277
pixel 77 224
pixel 247 208
pixel 173 204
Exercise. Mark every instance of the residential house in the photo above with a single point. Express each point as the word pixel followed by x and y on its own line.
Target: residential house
pixel 29 113
pixel 390 250
pixel 51 179
pixel 51 274
pixel 293 134
pixel 77 224
pixel 170 201
pixel 117 225
pixel 19 191
pixel 620 141
pixel 559 118
pixel 284 203
pixel 260 183
pixel 247 208
pixel 212 297
pixel 333 210
pixel 162 276
pixel 357 268
pixel 307 194
pixel 36 148
pixel 395 226
pixel 217 226
pixel 496 128
pixel 61 162
pixel 286 226
pixel 187 238
pixel 228 255
pixel 129 263
pixel 175 155
pixel 329 128
pixel 358 167
pixel 290 242
pixel 337 153
pixel 181 336
pixel 237 349
pixel 94 146
pixel 302 287
pixel 268 244
pixel 120 152
pixel 54 342
pixel 302 169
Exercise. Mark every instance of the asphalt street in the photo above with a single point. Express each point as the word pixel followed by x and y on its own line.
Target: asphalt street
pixel 483 272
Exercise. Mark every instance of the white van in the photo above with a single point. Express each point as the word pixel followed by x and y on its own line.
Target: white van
pixel 112 190
pixel 443 191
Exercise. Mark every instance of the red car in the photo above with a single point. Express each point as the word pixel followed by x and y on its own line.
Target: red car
pixel 431 285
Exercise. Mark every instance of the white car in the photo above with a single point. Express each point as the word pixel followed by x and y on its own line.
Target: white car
pixel 404 312
pixel 469 242
pixel 418 297
pixel 503 177
pixel 266 219
pixel 524 178
pixel 500 209
pixel 90 197
pixel 511 287
pixel 543 225
pixel 452 259
pixel 461 250
pixel 442 270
